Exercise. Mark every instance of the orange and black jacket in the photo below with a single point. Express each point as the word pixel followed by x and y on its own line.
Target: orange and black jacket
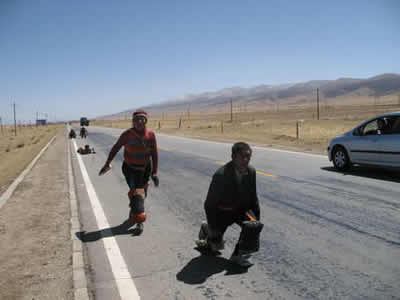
pixel 139 148
pixel 226 196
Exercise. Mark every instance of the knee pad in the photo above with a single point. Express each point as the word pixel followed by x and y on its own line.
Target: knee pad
pixel 249 240
pixel 138 218
pixel 137 192
pixel 136 199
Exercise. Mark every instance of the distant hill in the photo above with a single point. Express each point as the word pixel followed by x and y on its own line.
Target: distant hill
pixel 377 86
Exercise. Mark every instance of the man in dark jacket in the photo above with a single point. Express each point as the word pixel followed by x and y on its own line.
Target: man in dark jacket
pixel 232 198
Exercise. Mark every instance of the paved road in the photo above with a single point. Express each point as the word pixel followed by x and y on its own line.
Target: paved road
pixel 327 235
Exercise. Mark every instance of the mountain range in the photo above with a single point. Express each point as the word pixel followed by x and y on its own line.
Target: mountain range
pixel 340 89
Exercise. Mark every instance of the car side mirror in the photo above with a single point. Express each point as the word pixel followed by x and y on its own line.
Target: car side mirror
pixel 357 131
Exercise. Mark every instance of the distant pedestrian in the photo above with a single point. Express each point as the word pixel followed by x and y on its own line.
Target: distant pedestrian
pixel 72 134
pixel 83 132
pixel 140 163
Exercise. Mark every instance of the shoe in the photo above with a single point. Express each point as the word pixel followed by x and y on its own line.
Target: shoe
pixel 139 228
pixel 203 231
pixel 241 260
pixel 204 248
pixel 201 243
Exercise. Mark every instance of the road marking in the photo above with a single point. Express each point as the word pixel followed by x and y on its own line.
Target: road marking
pixel 126 286
pixel 264 148
pixel 267 174
pixel 221 163
pixel 258 172
pixel 162 148
pixel 291 152
pixel 78 270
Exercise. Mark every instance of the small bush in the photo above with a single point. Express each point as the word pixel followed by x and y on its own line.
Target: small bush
pixel 20 145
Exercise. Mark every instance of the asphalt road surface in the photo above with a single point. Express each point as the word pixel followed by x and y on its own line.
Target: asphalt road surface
pixel 327 235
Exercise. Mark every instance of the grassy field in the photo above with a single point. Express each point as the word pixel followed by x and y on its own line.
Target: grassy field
pixel 16 152
pixel 290 127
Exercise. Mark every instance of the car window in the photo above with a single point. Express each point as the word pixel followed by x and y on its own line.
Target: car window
pixel 370 128
pixel 395 125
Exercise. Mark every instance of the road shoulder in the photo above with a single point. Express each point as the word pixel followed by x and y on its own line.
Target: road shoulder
pixel 35 240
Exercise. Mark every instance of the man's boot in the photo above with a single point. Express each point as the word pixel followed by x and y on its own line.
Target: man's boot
pixel 139 228
pixel 241 259
pixel 203 233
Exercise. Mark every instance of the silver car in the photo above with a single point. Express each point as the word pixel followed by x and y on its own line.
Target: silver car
pixel 375 142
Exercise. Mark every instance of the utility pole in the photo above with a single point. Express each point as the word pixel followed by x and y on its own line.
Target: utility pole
pixel 1 124
pixel 15 121
pixel 231 112
pixel 189 112
pixel 37 118
pixel 317 104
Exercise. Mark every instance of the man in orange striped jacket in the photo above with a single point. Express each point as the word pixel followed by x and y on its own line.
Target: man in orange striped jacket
pixel 140 162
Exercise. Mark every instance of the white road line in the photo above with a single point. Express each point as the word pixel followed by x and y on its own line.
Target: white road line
pixel 78 269
pixel 291 152
pixel 265 148
pixel 126 286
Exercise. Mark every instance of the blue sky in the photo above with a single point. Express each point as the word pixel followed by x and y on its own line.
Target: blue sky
pixel 66 59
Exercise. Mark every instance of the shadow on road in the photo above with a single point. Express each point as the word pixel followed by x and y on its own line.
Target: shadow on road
pixel 369 172
pixel 200 268
pixel 93 236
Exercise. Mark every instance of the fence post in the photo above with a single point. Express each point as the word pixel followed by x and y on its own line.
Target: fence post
pixel 298 122
pixel 159 125
pixel 222 126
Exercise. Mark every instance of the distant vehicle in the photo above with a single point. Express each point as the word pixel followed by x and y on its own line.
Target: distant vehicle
pixel 41 122
pixel 84 121
pixel 375 142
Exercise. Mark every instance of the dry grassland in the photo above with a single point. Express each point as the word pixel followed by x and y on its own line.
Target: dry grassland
pixel 274 128
pixel 16 152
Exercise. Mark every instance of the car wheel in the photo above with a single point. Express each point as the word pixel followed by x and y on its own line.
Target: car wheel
pixel 341 159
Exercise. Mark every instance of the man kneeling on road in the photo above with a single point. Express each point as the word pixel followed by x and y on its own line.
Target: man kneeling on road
pixel 232 198
pixel 140 162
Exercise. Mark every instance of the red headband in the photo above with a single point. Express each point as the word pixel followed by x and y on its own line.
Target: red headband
pixel 140 113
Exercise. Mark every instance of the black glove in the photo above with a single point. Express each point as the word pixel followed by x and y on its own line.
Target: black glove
pixel 105 169
pixel 155 180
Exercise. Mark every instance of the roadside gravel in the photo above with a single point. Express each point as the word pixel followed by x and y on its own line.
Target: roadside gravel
pixel 35 240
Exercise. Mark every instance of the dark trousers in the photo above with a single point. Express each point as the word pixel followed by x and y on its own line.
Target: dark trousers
pixel 226 219
pixel 136 179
